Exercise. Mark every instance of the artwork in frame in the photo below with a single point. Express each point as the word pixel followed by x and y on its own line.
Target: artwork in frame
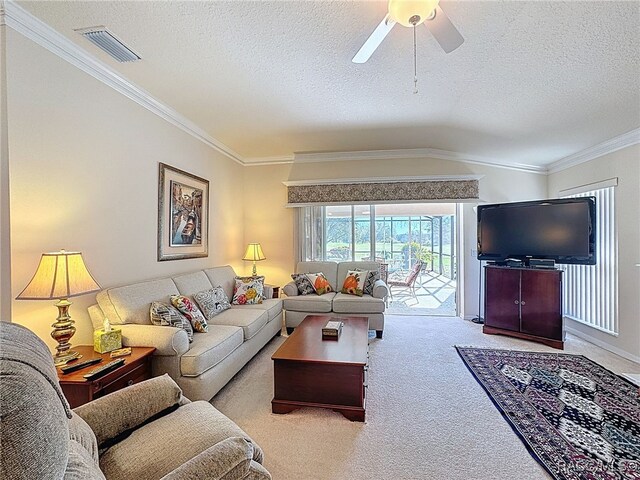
pixel 183 214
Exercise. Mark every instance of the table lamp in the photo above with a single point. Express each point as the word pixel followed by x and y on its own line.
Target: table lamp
pixel 60 275
pixel 254 253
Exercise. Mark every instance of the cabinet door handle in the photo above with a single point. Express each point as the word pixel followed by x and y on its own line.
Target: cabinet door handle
pixel 522 302
pixel 516 302
pixel 129 383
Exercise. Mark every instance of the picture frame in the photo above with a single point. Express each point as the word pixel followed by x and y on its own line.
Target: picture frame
pixel 183 214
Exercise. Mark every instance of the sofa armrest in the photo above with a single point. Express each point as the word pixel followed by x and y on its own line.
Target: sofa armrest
pixel 290 289
pixel 380 289
pixel 118 413
pixel 229 459
pixel 168 341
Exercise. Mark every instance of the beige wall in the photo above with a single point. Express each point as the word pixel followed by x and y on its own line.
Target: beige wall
pixel 84 172
pixel 624 164
pixel 264 185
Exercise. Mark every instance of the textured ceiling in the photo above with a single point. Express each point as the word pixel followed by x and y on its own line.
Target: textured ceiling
pixel 534 81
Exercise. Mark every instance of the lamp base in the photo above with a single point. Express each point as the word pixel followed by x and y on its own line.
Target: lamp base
pixel 63 330
pixel 66 358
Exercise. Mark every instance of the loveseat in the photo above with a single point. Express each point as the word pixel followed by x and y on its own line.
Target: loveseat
pixel 146 431
pixel 338 304
pixel 203 367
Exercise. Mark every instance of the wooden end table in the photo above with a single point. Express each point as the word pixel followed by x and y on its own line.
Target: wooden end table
pixel 78 390
pixel 311 372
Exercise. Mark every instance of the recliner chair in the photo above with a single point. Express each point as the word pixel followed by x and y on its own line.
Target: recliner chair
pixel 145 431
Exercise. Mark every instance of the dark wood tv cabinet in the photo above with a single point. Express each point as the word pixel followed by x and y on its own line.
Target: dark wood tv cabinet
pixel 524 303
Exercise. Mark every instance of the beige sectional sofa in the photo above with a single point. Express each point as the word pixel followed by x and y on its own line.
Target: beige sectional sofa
pixel 297 307
pixel 203 367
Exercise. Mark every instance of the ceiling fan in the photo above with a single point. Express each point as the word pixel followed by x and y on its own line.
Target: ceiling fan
pixel 411 13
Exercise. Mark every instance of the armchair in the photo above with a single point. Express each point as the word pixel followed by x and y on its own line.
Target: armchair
pixel 146 431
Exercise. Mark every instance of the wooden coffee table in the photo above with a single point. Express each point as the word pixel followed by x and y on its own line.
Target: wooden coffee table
pixel 311 372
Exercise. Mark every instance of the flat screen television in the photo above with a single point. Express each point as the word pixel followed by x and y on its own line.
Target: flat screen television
pixel 563 230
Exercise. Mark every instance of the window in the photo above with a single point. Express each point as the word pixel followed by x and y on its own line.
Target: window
pixel 397 235
pixel 591 291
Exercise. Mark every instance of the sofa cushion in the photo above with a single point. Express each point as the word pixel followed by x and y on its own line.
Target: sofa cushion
pixel 165 315
pixel 309 303
pixel 192 283
pixel 189 430
pixel 344 303
pixel 354 282
pixel 212 301
pixel 209 349
pixel 190 309
pixel 344 267
pixel 330 270
pixel 370 281
pixel 273 306
pixel 303 283
pixel 320 283
pixel 248 290
pixel 130 304
pixel 222 276
pixel 251 320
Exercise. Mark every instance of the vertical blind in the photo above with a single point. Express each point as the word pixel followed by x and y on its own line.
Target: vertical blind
pixel 591 291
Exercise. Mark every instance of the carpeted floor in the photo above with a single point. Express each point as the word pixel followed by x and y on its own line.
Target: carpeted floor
pixel 427 417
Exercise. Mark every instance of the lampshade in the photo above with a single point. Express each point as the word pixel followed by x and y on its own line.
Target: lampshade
pixel 401 11
pixel 59 275
pixel 254 253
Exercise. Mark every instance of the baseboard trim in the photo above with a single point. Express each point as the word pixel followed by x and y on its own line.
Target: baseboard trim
pixel 604 345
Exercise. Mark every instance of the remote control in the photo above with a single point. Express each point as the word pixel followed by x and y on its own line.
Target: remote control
pixel 104 369
pixel 77 366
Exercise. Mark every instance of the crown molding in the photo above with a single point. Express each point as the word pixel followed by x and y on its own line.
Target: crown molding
pixel 261 161
pixel 409 153
pixel 340 181
pixel 608 146
pixel 39 32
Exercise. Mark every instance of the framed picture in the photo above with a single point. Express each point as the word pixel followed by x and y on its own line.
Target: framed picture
pixel 183 214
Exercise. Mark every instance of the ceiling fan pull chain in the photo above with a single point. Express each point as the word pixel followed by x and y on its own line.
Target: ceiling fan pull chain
pixel 415 62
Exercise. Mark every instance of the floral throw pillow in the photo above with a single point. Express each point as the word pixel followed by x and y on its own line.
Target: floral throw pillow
pixel 303 283
pixel 319 283
pixel 370 281
pixel 212 302
pixel 354 282
pixel 191 311
pixel 167 316
pixel 248 291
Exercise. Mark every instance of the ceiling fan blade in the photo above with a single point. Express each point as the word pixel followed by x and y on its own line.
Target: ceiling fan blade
pixel 445 33
pixel 374 40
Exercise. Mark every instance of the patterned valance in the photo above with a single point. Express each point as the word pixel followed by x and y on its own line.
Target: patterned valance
pixel 384 192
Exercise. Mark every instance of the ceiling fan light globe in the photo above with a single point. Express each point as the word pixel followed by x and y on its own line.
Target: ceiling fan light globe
pixel 402 11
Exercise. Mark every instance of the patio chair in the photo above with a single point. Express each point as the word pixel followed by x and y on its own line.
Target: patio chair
pixel 409 282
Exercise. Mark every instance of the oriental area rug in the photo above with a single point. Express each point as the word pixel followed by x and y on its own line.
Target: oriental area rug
pixel 579 420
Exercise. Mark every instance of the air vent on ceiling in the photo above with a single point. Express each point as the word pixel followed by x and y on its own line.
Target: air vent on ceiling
pixel 102 38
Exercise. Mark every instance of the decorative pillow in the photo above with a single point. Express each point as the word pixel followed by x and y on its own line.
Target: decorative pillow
pixel 248 291
pixel 305 287
pixel 319 283
pixel 369 281
pixel 191 311
pixel 167 316
pixel 354 282
pixel 212 301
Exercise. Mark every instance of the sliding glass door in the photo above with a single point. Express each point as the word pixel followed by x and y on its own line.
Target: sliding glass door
pixel 398 236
